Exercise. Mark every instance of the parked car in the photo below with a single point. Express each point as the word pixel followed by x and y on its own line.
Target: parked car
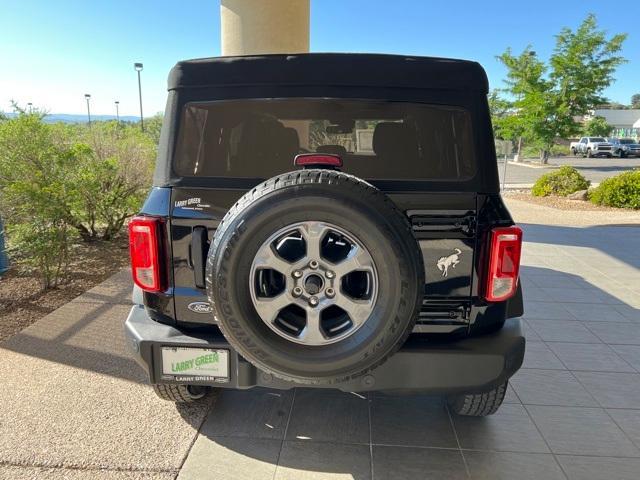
pixel 573 146
pixel 593 147
pixel 328 221
pixel 624 147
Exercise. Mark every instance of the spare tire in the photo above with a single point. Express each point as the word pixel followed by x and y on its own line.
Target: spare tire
pixel 315 277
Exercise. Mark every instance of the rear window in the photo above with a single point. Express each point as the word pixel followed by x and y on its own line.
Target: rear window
pixel 375 139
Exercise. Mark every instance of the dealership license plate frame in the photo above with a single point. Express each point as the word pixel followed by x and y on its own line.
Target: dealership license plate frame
pixel 196 373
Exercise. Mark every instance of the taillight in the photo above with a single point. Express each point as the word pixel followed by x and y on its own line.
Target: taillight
pixel 327 160
pixel 504 263
pixel 144 246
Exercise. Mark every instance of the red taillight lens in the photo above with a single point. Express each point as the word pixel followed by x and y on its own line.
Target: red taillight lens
pixel 504 263
pixel 144 246
pixel 318 160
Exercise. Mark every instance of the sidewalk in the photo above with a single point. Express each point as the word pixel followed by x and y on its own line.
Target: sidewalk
pixel 75 405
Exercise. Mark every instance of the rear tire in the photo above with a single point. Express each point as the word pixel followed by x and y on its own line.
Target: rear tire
pixel 182 393
pixel 478 404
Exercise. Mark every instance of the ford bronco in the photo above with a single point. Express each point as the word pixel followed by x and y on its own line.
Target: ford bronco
pixel 328 221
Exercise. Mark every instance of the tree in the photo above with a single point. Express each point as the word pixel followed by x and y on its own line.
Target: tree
pixel 597 127
pixel 546 98
pixel 635 100
pixel 153 126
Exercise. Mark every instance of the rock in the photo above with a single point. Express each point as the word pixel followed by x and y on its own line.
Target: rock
pixel 579 195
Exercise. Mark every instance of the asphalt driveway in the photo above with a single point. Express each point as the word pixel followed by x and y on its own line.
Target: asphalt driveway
pixel 594 169
pixel 74 405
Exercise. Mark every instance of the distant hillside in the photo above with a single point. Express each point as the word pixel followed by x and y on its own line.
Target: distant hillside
pixel 71 118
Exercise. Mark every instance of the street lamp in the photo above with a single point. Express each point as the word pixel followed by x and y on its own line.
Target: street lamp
pixel 30 106
pixel 138 68
pixel 117 110
pixel 88 97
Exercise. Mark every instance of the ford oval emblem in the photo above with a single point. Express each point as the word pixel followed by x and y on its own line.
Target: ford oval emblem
pixel 200 307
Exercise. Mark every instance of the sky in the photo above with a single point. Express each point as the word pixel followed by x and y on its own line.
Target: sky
pixel 52 52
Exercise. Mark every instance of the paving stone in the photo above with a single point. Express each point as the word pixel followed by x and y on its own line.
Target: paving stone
pixel 510 466
pixel 612 390
pixel 629 422
pixel 510 429
pixel 595 312
pixel 550 387
pixel 581 431
pixel 617 333
pixel 231 458
pixel 599 468
pixel 255 413
pixel 562 331
pixel 549 310
pixel 592 357
pixel 329 416
pixel 319 460
pixel 630 353
pixel 412 421
pixel 538 355
pixel 410 463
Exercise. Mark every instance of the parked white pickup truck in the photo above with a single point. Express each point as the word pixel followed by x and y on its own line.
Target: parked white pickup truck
pixel 592 147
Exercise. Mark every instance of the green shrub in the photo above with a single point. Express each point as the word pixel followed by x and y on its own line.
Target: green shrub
pixel 533 151
pixel 562 182
pixel 622 191
pixel 34 197
pixel 58 181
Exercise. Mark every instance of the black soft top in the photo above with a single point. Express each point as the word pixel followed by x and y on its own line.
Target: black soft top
pixel 335 69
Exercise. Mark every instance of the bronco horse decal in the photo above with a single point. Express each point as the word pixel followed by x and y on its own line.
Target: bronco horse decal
pixel 451 261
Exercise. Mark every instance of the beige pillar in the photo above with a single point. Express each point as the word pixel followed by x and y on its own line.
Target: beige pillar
pixel 264 26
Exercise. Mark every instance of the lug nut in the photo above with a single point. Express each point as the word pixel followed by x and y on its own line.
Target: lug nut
pixel 329 274
pixel 313 301
pixel 297 274
pixel 313 264
pixel 330 292
pixel 297 291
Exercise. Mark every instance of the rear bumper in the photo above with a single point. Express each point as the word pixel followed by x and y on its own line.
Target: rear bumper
pixel 470 365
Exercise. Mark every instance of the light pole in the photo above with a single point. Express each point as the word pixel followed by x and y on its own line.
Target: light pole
pixel 30 106
pixel 138 67
pixel 88 97
pixel 117 111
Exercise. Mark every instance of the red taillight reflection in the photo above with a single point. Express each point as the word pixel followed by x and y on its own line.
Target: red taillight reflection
pixel 504 263
pixel 144 247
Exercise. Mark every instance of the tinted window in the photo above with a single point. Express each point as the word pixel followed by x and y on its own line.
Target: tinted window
pixel 376 139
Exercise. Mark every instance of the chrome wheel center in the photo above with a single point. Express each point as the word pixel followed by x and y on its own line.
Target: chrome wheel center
pixel 313 283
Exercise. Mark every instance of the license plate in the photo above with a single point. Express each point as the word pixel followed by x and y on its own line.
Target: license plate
pixel 195 364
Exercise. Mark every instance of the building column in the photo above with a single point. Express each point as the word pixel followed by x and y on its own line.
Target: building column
pixel 264 26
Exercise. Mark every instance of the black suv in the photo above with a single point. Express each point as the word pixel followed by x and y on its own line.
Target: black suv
pixel 329 221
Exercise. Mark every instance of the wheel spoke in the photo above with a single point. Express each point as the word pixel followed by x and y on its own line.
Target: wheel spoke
pixel 358 259
pixel 358 310
pixel 312 332
pixel 266 258
pixel 269 307
pixel 313 232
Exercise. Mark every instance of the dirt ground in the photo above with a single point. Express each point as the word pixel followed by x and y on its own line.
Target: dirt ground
pixel 22 300
pixel 560 203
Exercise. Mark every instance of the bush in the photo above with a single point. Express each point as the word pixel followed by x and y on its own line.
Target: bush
pixel 562 182
pixel 622 191
pixel 111 179
pixel 58 181
pixel 34 196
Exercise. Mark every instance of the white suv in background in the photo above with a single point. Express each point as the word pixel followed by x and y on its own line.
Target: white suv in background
pixel 593 147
